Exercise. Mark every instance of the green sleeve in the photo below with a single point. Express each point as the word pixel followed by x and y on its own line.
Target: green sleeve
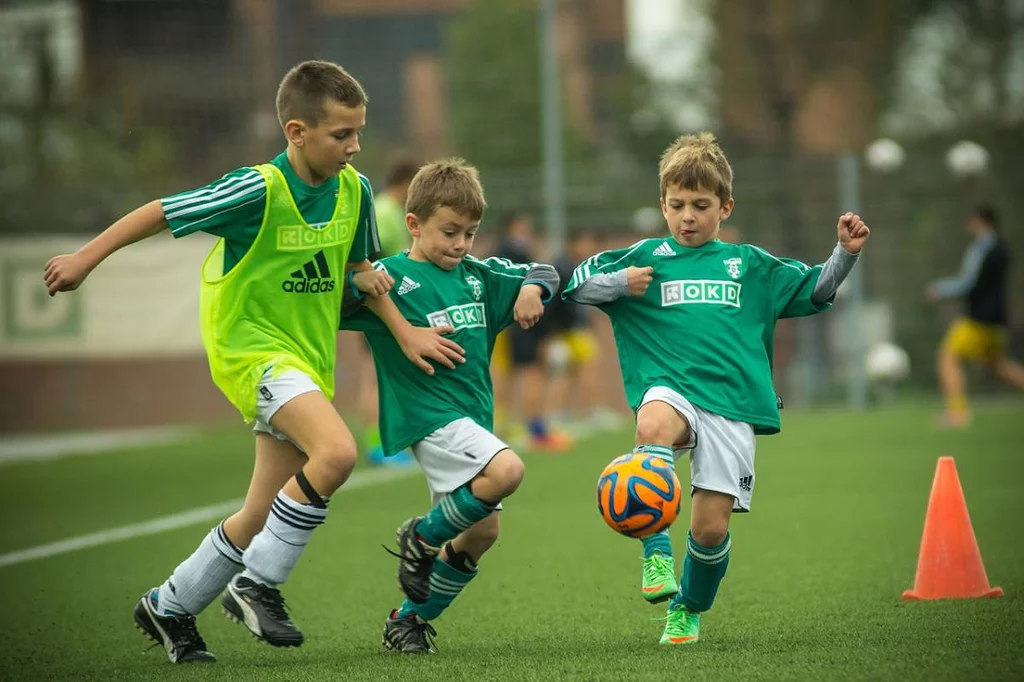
pixel 366 241
pixel 231 207
pixel 502 281
pixel 791 284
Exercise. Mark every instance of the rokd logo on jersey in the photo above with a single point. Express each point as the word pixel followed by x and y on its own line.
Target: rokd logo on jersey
pixel 714 292
pixel 458 317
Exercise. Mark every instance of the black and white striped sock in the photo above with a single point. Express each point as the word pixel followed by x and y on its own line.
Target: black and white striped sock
pixel 275 550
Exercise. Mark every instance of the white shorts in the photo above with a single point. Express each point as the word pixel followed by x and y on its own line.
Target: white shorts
pixel 271 395
pixel 454 454
pixel 722 450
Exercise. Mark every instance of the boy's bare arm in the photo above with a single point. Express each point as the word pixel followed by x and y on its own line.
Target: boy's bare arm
pixel 67 272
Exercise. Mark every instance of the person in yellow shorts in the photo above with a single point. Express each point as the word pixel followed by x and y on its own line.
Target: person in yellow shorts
pixel 574 350
pixel 980 334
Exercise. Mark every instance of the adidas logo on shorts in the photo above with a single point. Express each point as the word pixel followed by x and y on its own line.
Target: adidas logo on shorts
pixel 314 277
pixel 746 482
pixel 406 286
pixel 663 249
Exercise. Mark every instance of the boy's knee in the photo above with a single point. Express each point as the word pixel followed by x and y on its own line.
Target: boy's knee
pixel 335 459
pixel 661 430
pixel 711 534
pixel 506 472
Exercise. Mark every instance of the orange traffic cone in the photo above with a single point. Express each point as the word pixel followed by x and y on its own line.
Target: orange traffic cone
pixel 949 565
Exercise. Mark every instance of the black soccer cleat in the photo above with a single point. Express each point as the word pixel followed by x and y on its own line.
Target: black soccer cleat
pixel 177 634
pixel 409 635
pixel 416 560
pixel 261 610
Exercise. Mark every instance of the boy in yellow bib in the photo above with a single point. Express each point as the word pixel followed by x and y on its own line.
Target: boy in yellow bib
pixel 294 235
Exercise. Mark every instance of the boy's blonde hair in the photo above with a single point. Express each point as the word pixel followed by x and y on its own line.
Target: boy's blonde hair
pixel 696 162
pixel 448 183
pixel 307 87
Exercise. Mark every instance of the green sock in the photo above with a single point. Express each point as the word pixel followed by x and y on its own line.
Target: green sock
pixel 660 451
pixel 456 512
pixel 659 542
pixel 446 582
pixel 703 571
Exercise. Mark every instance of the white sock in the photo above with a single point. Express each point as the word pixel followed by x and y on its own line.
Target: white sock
pixel 200 578
pixel 274 551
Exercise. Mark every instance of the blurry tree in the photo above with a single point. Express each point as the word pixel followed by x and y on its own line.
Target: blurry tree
pixel 493 66
pixel 806 77
pixel 71 148
pixel 962 66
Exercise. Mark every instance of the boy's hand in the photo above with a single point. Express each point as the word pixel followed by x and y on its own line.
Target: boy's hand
pixel 67 272
pixel 529 306
pixel 373 282
pixel 852 232
pixel 638 279
pixel 421 344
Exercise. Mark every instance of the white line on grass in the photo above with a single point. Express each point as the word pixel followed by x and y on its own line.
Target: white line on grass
pixel 174 521
pixel 56 446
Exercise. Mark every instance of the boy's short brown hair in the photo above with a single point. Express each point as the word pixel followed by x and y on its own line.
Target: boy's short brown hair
pixel 448 183
pixel 696 162
pixel 308 86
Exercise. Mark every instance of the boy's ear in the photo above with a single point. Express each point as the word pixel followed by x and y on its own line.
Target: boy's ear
pixel 727 208
pixel 294 131
pixel 412 223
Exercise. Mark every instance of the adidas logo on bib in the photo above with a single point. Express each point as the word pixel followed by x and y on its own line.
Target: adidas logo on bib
pixel 406 286
pixel 663 249
pixel 314 277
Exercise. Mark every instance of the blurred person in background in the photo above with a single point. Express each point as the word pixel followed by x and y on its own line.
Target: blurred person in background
pixel 517 368
pixel 574 352
pixel 389 208
pixel 980 333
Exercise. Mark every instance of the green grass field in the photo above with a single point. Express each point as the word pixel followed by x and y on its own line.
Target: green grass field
pixel 813 590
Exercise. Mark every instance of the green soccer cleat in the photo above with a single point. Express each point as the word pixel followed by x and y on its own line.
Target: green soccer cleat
pixel 681 626
pixel 659 578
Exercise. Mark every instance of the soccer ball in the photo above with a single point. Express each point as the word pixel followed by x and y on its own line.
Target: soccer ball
pixel 638 495
pixel 887 362
pixel 884 155
pixel 966 158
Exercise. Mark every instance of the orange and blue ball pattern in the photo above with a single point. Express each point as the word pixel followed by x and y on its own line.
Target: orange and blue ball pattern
pixel 638 495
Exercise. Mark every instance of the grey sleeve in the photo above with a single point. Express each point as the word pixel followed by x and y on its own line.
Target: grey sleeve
pixel 546 276
pixel 834 271
pixel 952 287
pixel 603 287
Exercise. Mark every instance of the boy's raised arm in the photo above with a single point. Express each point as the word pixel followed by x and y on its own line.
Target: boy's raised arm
pixel 68 271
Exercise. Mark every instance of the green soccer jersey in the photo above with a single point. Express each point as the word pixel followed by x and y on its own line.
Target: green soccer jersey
pixel 706 325
pixel 477 299
pixel 233 208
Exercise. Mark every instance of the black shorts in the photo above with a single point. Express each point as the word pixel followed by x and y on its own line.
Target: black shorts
pixel 525 344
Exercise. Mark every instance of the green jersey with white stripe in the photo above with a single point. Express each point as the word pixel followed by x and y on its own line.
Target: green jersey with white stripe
pixel 233 207
pixel 477 298
pixel 705 327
